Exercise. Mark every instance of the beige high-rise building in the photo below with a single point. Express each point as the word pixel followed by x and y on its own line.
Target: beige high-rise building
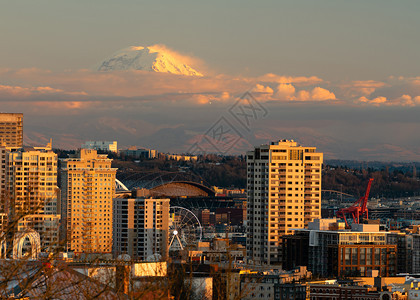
pixel 141 226
pixel 3 150
pixel 11 130
pixel 88 187
pixel 284 192
pixel 11 136
pixel 32 192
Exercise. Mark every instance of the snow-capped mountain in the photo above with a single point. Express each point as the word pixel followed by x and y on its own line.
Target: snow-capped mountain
pixel 153 58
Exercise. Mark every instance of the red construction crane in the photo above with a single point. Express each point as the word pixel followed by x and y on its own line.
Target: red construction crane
pixel 358 209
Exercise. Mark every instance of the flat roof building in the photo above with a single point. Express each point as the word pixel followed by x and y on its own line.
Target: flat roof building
pixel 31 196
pixel 284 192
pixel 331 252
pixel 101 146
pixel 139 153
pixel 140 226
pixel 11 129
pixel 88 187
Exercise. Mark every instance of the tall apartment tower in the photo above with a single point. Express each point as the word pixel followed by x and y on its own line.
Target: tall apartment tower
pixel 3 154
pixel 88 187
pixel 11 130
pixel 140 226
pixel 284 192
pixel 11 136
pixel 32 192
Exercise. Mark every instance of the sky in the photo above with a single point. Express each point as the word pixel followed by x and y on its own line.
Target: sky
pixel 339 75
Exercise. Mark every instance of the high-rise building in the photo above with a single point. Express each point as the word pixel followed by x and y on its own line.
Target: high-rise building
pixel 31 192
pixel 11 130
pixel 11 135
pixel 284 192
pixel 2 178
pixel 32 179
pixel 140 226
pixel 88 187
pixel 408 249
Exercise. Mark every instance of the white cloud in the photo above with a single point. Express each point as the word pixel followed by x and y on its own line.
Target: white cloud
pixel 297 80
pixel 81 86
pixel 285 91
pixel 259 88
pixel 288 92
pixel 25 92
pixel 322 94
pixel 404 100
pixel 361 88
pixel 262 92
pixel 376 101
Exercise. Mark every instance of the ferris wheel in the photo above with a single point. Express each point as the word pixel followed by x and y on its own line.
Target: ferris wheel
pixel 184 228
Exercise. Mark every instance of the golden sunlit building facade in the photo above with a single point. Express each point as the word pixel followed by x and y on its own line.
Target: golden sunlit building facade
pixel 2 182
pixel 11 136
pixel 11 129
pixel 284 192
pixel 31 192
pixel 88 187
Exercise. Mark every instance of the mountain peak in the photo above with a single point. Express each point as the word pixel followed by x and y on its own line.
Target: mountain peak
pixel 154 58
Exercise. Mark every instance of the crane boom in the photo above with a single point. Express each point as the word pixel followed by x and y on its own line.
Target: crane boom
pixel 358 209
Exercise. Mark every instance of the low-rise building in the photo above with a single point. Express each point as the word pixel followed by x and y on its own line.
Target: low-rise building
pixel 137 153
pixel 274 284
pixel 106 146
pixel 337 291
pixel 341 252
pixel 219 251
pixel 180 157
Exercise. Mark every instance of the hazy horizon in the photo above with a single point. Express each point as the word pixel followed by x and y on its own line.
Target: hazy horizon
pixel 342 76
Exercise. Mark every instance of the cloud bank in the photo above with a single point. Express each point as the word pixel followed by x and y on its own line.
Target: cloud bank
pixel 149 108
pixel 84 85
